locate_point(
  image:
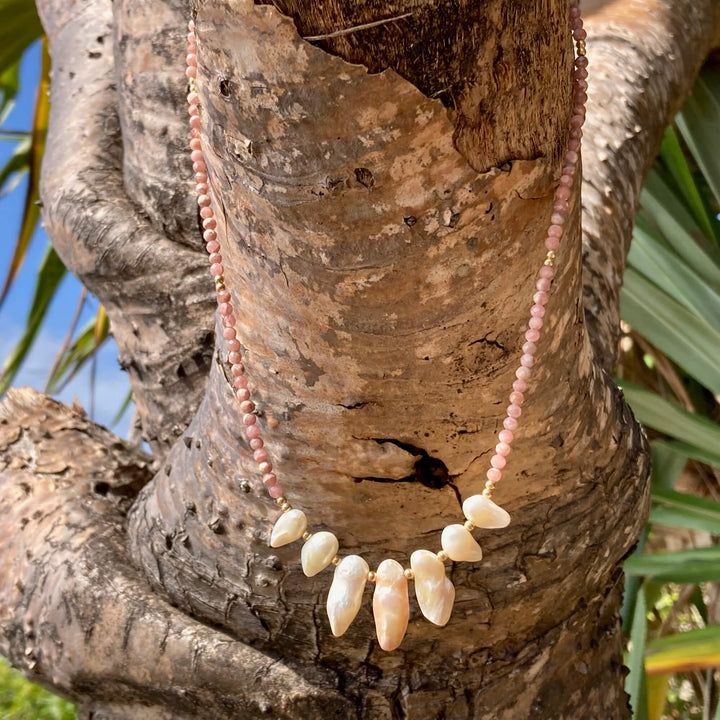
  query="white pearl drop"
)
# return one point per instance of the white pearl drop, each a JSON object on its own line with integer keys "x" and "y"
{"x": 346, "y": 591}
{"x": 434, "y": 591}
{"x": 318, "y": 552}
{"x": 289, "y": 527}
{"x": 484, "y": 513}
{"x": 391, "y": 606}
{"x": 459, "y": 544}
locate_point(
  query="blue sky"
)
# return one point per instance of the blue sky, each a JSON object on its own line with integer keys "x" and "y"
{"x": 111, "y": 385}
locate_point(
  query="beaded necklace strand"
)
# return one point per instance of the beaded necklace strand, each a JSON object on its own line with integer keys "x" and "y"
{"x": 434, "y": 590}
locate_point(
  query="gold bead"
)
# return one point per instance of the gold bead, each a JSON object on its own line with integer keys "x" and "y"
{"x": 548, "y": 262}
{"x": 286, "y": 506}
{"x": 281, "y": 500}
{"x": 487, "y": 493}
{"x": 306, "y": 536}
{"x": 219, "y": 283}
{"x": 443, "y": 556}
{"x": 409, "y": 574}
{"x": 581, "y": 50}
{"x": 371, "y": 576}
{"x": 469, "y": 526}
{"x": 551, "y": 254}
{"x": 336, "y": 560}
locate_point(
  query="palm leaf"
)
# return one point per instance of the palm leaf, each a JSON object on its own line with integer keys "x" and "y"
{"x": 683, "y": 652}
{"x": 19, "y": 28}
{"x": 31, "y": 211}
{"x": 49, "y": 275}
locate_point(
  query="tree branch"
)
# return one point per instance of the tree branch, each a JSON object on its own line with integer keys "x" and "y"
{"x": 76, "y": 616}
{"x": 644, "y": 55}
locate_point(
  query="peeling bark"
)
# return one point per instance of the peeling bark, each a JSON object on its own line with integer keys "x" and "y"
{"x": 380, "y": 234}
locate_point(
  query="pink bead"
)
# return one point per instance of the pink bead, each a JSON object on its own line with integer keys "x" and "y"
{"x": 216, "y": 269}
{"x": 275, "y": 491}
{"x": 195, "y": 146}
{"x": 269, "y": 480}
{"x": 517, "y": 398}
{"x": 191, "y": 60}
{"x": 197, "y": 156}
{"x": 563, "y": 192}
{"x": 529, "y": 348}
{"x": 195, "y": 123}
{"x": 582, "y": 84}
{"x": 193, "y": 98}
{"x": 537, "y": 311}
{"x": 193, "y": 110}
{"x": 535, "y": 323}
{"x": 523, "y": 373}
{"x": 204, "y": 201}
{"x": 494, "y": 475}
{"x": 580, "y": 97}
{"x": 229, "y": 321}
{"x": 552, "y": 243}
{"x": 201, "y": 189}
{"x": 576, "y": 121}
{"x": 252, "y": 431}
{"x": 580, "y": 34}
{"x": 215, "y": 258}
{"x": 543, "y": 284}
{"x": 209, "y": 236}
{"x": 581, "y": 61}
{"x": 256, "y": 443}
{"x": 498, "y": 462}
{"x": 561, "y": 206}
{"x": 213, "y": 247}
{"x": 223, "y": 296}
{"x": 247, "y": 407}
{"x": 191, "y": 72}
{"x": 199, "y": 166}
{"x": 555, "y": 230}
{"x": 265, "y": 467}
{"x": 237, "y": 369}
{"x": 510, "y": 423}
{"x": 541, "y": 297}
{"x": 233, "y": 346}
{"x": 194, "y": 133}
{"x": 243, "y": 394}
{"x": 234, "y": 358}
{"x": 566, "y": 180}
{"x": 240, "y": 382}
{"x": 506, "y": 436}
{"x": 558, "y": 219}
{"x": 546, "y": 271}
{"x": 519, "y": 385}
{"x": 201, "y": 177}
{"x": 527, "y": 361}
{"x": 206, "y": 212}
{"x": 574, "y": 11}
{"x": 581, "y": 74}
{"x": 532, "y": 336}
{"x": 571, "y": 155}
{"x": 249, "y": 419}
{"x": 260, "y": 456}
{"x": 225, "y": 308}
{"x": 514, "y": 411}
{"x": 209, "y": 223}
{"x": 502, "y": 449}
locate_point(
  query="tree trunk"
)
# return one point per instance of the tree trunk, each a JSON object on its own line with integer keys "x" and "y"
{"x": 382, "y": 195}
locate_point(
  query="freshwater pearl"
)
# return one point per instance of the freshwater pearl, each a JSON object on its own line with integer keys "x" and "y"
{"x": 391, "y": 606}
{"x": 484, "y": 513}
{"x": 289, "y": 527}
{"x": 459, "y": 544}
{"x": 433, "y": 589}
{"x": 346, "y": 591}
{"x": 318, "y": 552}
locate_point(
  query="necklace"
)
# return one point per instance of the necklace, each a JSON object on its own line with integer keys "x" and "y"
{"x": 434, "y": 591}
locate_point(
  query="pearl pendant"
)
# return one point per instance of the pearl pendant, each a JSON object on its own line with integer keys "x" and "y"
{"x": 289, "y": 527}
{"x": 318, "y": 552}
{"x": 391, "y": 606}
{"x": 484, "y": 513}
{"x": 346, "y": 591}
{"x": 459, "y": 544}
{"x": 434, "y": 590}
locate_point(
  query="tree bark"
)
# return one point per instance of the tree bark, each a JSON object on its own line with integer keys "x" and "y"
{"x": 381, "y": 195}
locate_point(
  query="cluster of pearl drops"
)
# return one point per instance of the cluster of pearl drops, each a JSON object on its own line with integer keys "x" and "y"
{"x": 435, "y": 592}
